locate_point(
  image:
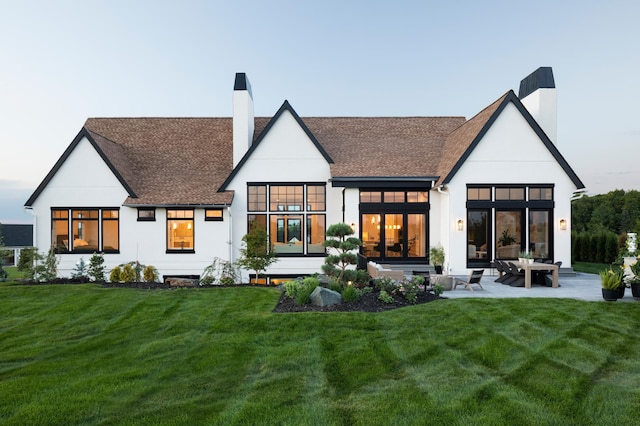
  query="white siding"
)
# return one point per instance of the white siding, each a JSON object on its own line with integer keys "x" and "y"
{"x": 285, "y": 154}
{"x": 510, "y": 153}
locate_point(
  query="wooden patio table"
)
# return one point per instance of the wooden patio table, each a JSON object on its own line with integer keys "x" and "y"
{"x": 538, "y": 266}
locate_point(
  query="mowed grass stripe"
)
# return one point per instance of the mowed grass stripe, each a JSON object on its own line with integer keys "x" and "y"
{"x": 90, "y": 355}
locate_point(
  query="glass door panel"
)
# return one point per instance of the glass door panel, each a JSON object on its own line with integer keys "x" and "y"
{"x": 416, "y": 235}
{"x": 393, "y": 235}
{"x": 371, "y": 235}
{"x": 539, "y": 235}
{"x": 508, "y": 234}
{"x": 477, "y": 234}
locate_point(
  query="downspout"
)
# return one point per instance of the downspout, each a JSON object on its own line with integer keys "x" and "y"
{"x": 442, "y": 190}
{"x": 230, "y": 242}
{"x": 343, "y": 189}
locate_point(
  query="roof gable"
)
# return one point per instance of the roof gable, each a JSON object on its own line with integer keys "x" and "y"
{"x": 461, "y": 143}
{"x": 107, "y": 152}
{"x": 265, "y": 131}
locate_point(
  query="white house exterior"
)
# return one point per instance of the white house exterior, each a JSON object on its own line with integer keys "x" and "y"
{"x": 177, "y": 193}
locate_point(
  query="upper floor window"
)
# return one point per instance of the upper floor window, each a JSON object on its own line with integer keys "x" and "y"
{"x": 394, "y": 197}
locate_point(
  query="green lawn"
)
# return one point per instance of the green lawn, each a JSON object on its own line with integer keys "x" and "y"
{"x": 81, "y": 354}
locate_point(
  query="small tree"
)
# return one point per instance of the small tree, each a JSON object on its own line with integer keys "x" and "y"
{"x": 96, "y": 267}
{"x": 150, "y": 274}
{"x": 257, "y": 252}
{"x": 47, "y": 269}
{"x": 335, "y": 265}
{"x": 80, "y": 270}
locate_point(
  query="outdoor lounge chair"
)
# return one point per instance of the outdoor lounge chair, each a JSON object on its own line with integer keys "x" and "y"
{"x": 474, "y": 279}
{"x": 518, "y": 279}
{"x": 505, "y": 272}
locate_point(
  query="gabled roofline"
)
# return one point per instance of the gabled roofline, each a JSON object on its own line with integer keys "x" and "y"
{"x": 512, "y": 98}
{"x": 285, "y": 107}
{"x": 84, "y": 133}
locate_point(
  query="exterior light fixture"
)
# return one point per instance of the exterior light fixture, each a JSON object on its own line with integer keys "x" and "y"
{"x": 353, "y": 226}
{"x": 563, "y": 224}
{"x": 460, "y": 225}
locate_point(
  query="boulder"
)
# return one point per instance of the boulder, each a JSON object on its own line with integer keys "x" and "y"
{"x": 322, "y": 296}
{"x": 181, "y": 282}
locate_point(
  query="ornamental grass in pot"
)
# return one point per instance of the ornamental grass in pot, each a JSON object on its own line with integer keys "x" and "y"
{"x": 610, "y": 281}
{"x": 634, "y": 281}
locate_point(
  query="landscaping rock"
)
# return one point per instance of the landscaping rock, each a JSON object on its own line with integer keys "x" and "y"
{"x": 322, "y": 296}
{"x": 181, "y": 282}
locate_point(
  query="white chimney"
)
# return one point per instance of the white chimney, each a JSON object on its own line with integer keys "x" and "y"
{"x": 538, "y": 95}
{"x": 243, "y": 119}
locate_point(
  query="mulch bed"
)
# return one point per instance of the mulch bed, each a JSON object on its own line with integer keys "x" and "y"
{"x": 366, "y": 303}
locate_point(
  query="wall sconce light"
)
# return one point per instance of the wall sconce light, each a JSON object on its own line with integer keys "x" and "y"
{"x": 353, "y": 226}
{"x": 563, "y": 224}
{"x": 460, "y": 225}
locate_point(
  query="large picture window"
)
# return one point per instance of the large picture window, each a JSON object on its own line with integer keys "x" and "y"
{"x": 503, "y": 220}
{"x": 85, "y": 230}
{"x": 293, "y": 229}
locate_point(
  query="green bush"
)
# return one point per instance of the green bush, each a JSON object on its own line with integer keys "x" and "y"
{"x": 150, "y": 274}
{"x": 385, "y": 284}
{"x": 350, "y": 294}
{"x": 291, "y": 288}
{"x": 96, "y": 267}
{"x": 128, "y": 274}
{"x": 385, "y": 297}
{"x": 115, "y": 274}
{"x": 303, "y": 296}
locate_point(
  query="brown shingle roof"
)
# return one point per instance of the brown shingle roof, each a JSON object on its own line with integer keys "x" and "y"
{"x": 173, "y": 161}
{"x": 459, "y": 142}
{"x": 183, "y": 161}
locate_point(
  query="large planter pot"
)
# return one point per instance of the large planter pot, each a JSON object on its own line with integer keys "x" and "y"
{"x": 610, "y": 295}
{"x": 620, "y": 291}
{"x": 438, "y": 269}
{"x": 445, "y": 281}
{"x": 635, "y": 290}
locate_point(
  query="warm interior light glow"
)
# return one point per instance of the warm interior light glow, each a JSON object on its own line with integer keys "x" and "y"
{"x": 175, "y": 225}
{"x": 563, "y": 224}
{"x": 460, "y": 225}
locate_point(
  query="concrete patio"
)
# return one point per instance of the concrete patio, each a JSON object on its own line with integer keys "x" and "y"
{"x": 581, "y": 286}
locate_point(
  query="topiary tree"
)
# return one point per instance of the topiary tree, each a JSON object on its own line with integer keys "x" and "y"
{"x": 344, "y": 251}
{"x": 96, "y": 267}
{"x": 257, "y": 252}
{"x": 114, "y": 276}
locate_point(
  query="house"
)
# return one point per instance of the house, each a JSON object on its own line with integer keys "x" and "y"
{"x": 15, "y": 236}
{"x": 177, "y": 192}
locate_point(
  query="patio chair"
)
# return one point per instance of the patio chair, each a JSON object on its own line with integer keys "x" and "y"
{"x": 474, "y": 279}
{"x": 544, "y": 277}
{"x": 518, "y": 279}
{"x": 506, "y": 272}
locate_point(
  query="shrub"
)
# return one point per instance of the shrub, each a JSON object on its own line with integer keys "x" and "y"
{"x": 350, "y": 294}
{"x": 115, "y": 274}
{"x": 128, "y": 275}
{"x": 385, "y": 297}
{"x": 342, "y": 251}
{"x": 385, "y": 284}
{"x": 96, "y": 267}
{"x": 220, "y": 271}
{"x": 438, "y": 289}
{"x": 47, "y": 271}
{"x": 409, "y": 288}
{"x": 150, "y": 274}
{"x": 291, "y": 288}
{"x": 303, "y": 295}
{"x": 80, "y": 270}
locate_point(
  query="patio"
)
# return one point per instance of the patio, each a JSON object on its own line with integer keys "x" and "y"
{"x": 581, "y": 286}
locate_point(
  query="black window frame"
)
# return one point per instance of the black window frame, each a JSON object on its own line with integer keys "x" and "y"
{"x": 214, "y": 218}
{"x": 151, "y": 218}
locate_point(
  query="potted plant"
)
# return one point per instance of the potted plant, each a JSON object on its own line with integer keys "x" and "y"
{"x": 436, "y": 257}
{"x": 611, "y": 280}
{"x": 525, "y": 257}
{"x": 634, "y": 281}
{"x": 506, "y": 239}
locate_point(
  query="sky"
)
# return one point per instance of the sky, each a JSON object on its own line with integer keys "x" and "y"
{"x": 65, "y": 61}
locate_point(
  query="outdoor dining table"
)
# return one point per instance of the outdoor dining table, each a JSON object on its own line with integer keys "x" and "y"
{"x": 538, "y": 266}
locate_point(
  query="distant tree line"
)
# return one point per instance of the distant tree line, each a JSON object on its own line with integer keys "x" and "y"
{"x": 617, "y": 211}
{"x": 600, "y": 224}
